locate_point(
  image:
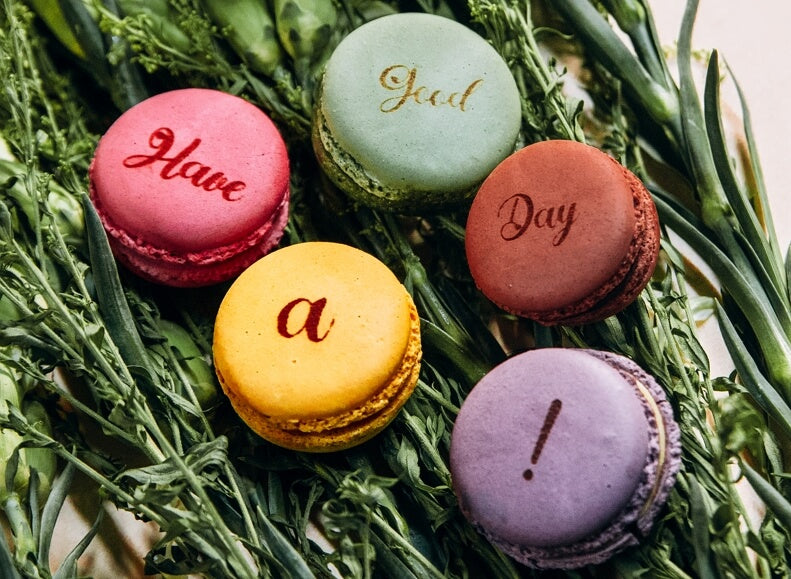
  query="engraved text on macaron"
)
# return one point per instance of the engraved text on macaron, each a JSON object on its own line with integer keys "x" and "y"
{"x": 549, "y": 421}
{"x": 309, "y": 313}
{"x": 177, "y": 165}
{"x": 518, "y": 212}
{"x": 402, "y": 80}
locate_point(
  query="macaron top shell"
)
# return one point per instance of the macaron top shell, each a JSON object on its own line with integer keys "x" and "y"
{"x": 312, "y": 331}
{"x": 529, "y": 479}
{"x": 189, "y": 171}
{"x": 420, "y": 102}
{"x": 553, "y": 224}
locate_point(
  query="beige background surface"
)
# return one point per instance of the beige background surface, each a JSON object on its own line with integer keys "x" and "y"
{"x": 755, "y": 41}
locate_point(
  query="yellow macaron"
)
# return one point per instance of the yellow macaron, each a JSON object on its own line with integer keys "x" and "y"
{"x": 317, "y": 346}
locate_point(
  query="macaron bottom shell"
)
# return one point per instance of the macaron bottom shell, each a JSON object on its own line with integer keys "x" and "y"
{"x": 351, "y": 177}
{"x": 211, "y": 267}
{"x": 356, "y": 426}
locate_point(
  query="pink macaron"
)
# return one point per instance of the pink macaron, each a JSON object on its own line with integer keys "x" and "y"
{"x": 192, "y": 186}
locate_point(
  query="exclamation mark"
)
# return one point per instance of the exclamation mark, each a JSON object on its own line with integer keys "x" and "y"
{"x": 549, "y": 420}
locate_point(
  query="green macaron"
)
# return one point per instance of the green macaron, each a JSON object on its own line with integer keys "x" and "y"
{"x": 413, "y": 112}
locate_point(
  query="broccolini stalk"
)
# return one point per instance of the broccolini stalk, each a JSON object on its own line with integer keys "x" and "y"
{"x": 659, "y": 99}
{"x": 198, "y": 372}
{"x": 305, "y": 27}
{"x": 116, "y": 74}
{"x": 159, "y": 19}
{"x": 26, "y": 472}
{"x": 205, "y": 64}
{"x": 250, "y": 30}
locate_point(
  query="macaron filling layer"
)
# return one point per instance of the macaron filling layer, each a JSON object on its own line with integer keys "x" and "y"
{"x": 354, "y": 179}
{"x": 268, "y": 233}
{"x": 402, "y": 381}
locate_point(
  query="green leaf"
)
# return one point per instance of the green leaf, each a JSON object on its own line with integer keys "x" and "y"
{"x": 110, "y": 294}
{"x": 282, "y": 549}
{"x": 700, "y": 525}
{"x": 777, "y": 503}
{"x": 68, "y": 567}
{"x": 7, "y": 567}
{"x": 759, "y": 388}
{"x": 52, "y": 508}
{"x": 756, "y": 240}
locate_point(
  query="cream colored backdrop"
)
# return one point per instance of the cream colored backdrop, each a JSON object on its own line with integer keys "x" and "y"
{"x": 754, "y": 38}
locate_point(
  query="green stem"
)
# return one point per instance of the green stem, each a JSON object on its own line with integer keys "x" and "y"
{"x": 20, "y": 527}
{"x": 437, "y": 341}
{"x": 732, "y": 501}
{"x": 436, "y": 398}
{"x": 406, "y": 546}
{"x": 779, "y": 505}
{"x": 418, "y": 429}
{"x": 508, "y": 24}
{"x": 634, "y": 20}
{"x": 750, "y": 299}
{"x": 122, "y": 382}
{"x": 206, "y": 506}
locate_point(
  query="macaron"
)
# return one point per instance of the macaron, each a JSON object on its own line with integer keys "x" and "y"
{"x": 413, "y": 111}
{"x": 561, "y": 233}
{"x": 564, "y": 457}
{"x": 192, "y": 186}
{"x": 317, "y": 346}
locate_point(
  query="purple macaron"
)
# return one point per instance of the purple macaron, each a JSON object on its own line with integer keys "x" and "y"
{"x": 564, "y": 457}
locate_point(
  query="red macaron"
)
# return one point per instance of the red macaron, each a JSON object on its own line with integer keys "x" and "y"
{"x": 561, "y": 233}
{"x": 192, "y": 186}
